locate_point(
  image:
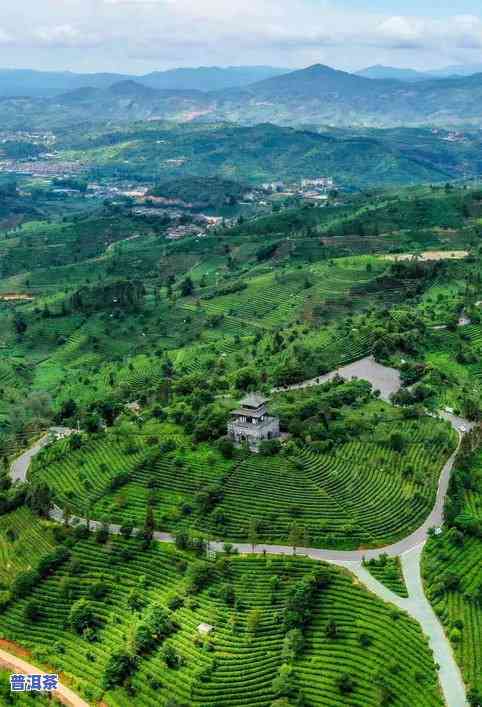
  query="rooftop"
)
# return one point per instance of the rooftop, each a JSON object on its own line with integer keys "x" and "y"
{"x": 205, "y": 629}
{"x": 253, "y": 400}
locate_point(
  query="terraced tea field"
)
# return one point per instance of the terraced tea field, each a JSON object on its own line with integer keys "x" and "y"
{"x": 388, "y": 571}
{"x": 274, "y": 299}
{"x": 381, "y": 650}
{"x": 82, "y": 478}
{"x": 23, "y": 539}
{"x": 452, "y": 572}
{"x": 357, "y": 496}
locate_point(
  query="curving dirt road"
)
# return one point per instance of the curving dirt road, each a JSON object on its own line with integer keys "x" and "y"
{"x": 63, "y": 694}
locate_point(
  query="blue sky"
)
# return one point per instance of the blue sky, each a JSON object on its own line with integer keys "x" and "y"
{"x": 136, "y": 36}
{"x": 427, "y": 8}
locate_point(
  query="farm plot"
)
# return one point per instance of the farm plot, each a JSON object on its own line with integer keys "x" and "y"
{"x": 23, "y": 539}
{"x": 451, "y": 569}
{"x": 388, "y": 571}
{"x": 79, "y": 477}
{"x": 84, "y": 479}
{"x": 363, "y": 494}
{"x": 239, "y": 661}
{"x": 273, "y": 299}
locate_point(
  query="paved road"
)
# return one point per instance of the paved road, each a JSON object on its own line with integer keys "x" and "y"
{"x": 410, "y": 548}
{"x": 63, "y": 693}
{"x": 20, "y": 467}
{"x": 413, "y": 540}
{"x": 385, "y": 379}
{"x": 419, "y": 608}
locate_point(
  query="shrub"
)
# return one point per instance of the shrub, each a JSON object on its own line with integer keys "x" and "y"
{"x": 81, "y": 615}
{"x": 346, "y": 684}
{"x": 119, "y": 668}
{"x": 170, "y": 657}
{"x": 24, "y": 582}
{"x": 32, "y": 610}
{"x": 155, "y": 628}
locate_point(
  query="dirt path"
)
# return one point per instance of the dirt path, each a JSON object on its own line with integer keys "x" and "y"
{"x": 64, "y": 694}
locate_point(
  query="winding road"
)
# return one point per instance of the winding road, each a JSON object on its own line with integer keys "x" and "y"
{"x": 63, "y": 694}
{"x": 409, "y": 548}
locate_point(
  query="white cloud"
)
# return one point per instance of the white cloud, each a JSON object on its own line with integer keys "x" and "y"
{"x": 402, "y": 31}
{"x": 130, "y": 34}
{"x": 5, "y": 38}
{"x": 63, "y": 36}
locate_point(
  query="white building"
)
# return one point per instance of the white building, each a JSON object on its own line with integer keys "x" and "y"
{"x": 251, "y": 424}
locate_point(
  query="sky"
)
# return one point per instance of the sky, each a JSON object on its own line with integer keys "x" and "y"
{"x": 138, "y": 36}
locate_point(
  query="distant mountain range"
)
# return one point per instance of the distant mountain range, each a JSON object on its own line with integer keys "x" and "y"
{"x": 317, "y": 95}
{"x": 390, "y": 72}
{"x": 47, "y": 84}
{"x": 29, "y": 83}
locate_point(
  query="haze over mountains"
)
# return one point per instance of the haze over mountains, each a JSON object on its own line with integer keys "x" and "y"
{"x": 311, "y": 96}
{"x": 26, "y": 82}
{"x": 379, "y": 71}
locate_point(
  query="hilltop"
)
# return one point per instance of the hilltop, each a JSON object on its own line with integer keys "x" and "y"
{"x": 317, "y": 94}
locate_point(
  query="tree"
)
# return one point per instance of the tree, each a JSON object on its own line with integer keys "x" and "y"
{"x": 187, "y": 287}
{"x": 68, "y": 410}
{"x": 293, "y": 644}
{"x": 81, "y": 615}
{"x": 346, "y": 684}
{"x": 283, "y": 684}
{"x": 23, "y": 583}
{"x": 170, "y": 657}
{"x": 98, "y": 590}
{"x": 198, "y": 576}
{"x": 148, "y": 530}
{"x": 39, "y": 498}
{"x": 135, "y": 599}
{"x": 331, "y": 629}
{"x": 126, "y": 529}
{"x": 182, "y": 540}
{"x": 119, "y": 668}
{"x": 154, "y": 629}
{"x": 253, "y": 538}
{"x": 20, "y": 323}
{"x": 397, "y": 441}
{"x": 226, "y": 447}
{"x": 295, "y": 537}
{"x": 474, "y": 697}
{"x": 226, "y": 593}
{"x": 253, "y": 621}
{"x": 270, "y": 447}
{"x": 102, "y": 534}
{"x": 32, "y": 610}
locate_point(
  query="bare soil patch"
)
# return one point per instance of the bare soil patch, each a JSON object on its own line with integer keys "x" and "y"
{"x": 430, "y": 255}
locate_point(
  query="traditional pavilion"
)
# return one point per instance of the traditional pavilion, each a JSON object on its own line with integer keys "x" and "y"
{"x": 251, "y": 424}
